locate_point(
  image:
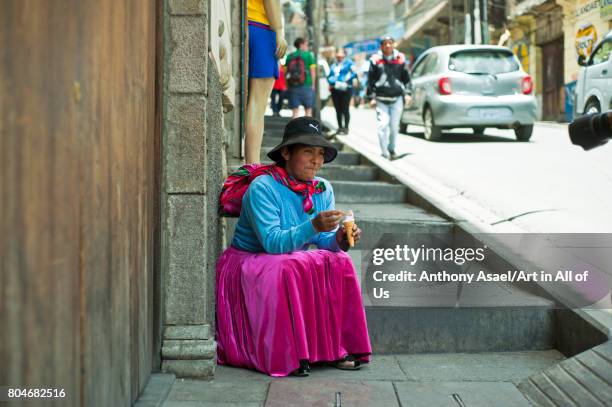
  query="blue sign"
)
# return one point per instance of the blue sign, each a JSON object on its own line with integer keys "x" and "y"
{"x": 367, "y": 46}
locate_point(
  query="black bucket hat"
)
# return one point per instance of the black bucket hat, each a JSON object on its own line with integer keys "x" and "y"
{"x": 304, "y": 130}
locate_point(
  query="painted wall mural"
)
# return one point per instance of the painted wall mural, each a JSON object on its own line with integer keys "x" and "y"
{"x": 521, "y": 50}
{"x": 586, "y": 38}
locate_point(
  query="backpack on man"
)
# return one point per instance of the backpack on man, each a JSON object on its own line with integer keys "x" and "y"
{"x": 296, "y": 71}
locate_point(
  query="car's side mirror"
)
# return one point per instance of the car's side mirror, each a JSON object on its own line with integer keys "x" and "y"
{"x": 582, "y": 60}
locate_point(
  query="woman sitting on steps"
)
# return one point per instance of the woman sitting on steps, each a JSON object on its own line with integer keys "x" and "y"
{"x": 281, "y": 307}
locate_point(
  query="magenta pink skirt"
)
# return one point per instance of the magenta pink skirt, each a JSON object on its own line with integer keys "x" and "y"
{"x": 275, "y": 310}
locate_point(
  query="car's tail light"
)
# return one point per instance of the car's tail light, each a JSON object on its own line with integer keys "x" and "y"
{"x": 527, "y": 85}
{"x": 444, "y": 86}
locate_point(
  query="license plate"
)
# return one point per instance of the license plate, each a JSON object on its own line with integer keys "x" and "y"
{"x": 493, "y": 113}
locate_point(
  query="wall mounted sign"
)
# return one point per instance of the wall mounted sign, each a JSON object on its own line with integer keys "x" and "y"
{"x": 586, "y": 37}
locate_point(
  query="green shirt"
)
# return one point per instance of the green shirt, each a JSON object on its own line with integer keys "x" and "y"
{"x": 309, "y": 61}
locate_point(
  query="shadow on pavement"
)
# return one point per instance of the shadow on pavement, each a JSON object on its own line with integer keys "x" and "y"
{"x": 465, "y": 138}
{"x": 400, "y": 156}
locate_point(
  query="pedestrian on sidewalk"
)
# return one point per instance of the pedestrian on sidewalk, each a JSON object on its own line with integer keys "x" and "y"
{"x": 280, "y": 306}
{"x": 301, "y": 72}
{"x": 389, "y": 88}
{"x": 266, "y": 42}
{"x": 340, "y": 78}
{"x": 279, "y": 91}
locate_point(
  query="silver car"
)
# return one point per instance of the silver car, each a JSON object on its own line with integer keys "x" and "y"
{"x": 594, "y": 85}
{"x": 473, "y": 86}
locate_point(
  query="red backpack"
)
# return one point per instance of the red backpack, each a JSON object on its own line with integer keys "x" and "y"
{"x": 296, "y": 71}
{"x": 235, "y": 186}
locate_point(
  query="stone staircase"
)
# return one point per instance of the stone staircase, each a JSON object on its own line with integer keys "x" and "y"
{"x": 582, "y": 380}
{"x": 430, "y": 318}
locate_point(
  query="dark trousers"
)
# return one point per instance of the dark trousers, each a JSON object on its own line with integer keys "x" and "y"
{"x": 342, "y": 101}
{"x": 276, "y": 100}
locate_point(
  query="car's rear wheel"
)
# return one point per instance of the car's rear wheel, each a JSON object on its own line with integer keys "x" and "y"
{"x": 592, "y": 107}
{"x": 432, "y": 132}
{"x": 523, "y": 133}
{"x": 478, "y": 130}
{"x": 403, "y": 128}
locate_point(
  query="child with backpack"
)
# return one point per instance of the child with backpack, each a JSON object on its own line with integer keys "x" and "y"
{"x": 301, "y": 74}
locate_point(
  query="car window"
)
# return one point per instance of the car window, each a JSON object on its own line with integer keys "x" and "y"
{"x": 432, "y": 64}
{"x": 418, "y": 69}
{"x": 602, "y": 53}
{"x": 483, "y": 61}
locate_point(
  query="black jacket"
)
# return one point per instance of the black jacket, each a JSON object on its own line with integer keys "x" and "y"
{"x": 388, "y": 78}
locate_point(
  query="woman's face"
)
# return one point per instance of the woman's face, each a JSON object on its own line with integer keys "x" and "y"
{"x": 304, "y": 161}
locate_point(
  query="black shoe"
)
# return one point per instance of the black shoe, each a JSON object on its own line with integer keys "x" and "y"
{"x": 303, "y": 370}
{"x": 392, "y": 155}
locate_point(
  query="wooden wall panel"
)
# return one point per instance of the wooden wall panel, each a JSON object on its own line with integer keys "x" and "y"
{"x": 78, "y": 198}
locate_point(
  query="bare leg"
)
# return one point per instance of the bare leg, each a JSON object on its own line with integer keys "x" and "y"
{"x": 259, "y": 91}
{"x": 308, "y": 112}
{"x": 296, "y": 112}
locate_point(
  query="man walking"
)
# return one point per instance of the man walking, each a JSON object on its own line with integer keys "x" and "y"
{"x": 388, "y": 89}
{"x": 301, "y": 68}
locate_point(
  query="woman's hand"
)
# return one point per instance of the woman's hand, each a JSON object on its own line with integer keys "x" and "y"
{"x": 326, "y": 221}
{"x": 342, "y": 239}
{"x": 281, "y": 44}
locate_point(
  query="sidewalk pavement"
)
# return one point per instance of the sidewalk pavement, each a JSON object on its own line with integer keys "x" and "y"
{"x": 484, "y": 379}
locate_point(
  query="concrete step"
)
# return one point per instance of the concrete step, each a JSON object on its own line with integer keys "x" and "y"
{"x": 333, "y": 172}
{"x": 275, "y": 120}
{"x": 368, "y": 192}
{"x": 582, "y": 380}
{"x": 488, "y": 317}
{"x": 435, "y": 317}
{"x": 343, "y": 158}
{"x": 273, "y": 141}
{"x": 377, "y": 220}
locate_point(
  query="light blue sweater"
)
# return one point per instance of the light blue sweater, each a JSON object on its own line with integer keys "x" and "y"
{"x": 272, "y": 219}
